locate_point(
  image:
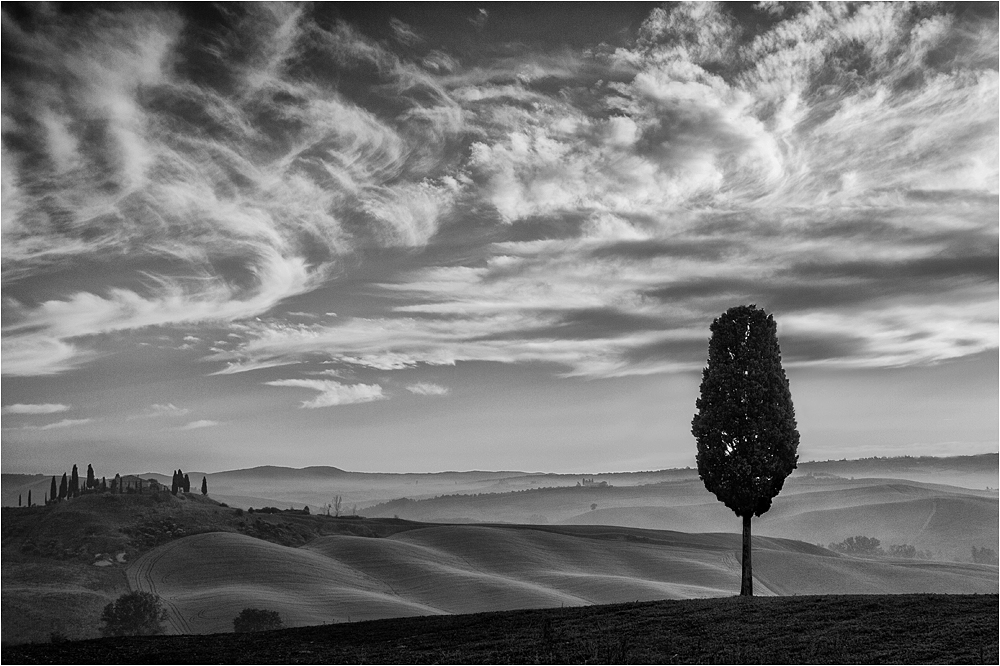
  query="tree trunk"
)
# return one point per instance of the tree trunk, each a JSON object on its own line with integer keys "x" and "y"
{"x": 746, "y": 586}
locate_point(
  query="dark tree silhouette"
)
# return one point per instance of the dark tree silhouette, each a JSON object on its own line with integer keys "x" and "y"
{"x": 745, "y": 424}
{"x": 255, "y": 619}
{"x": 204, "y": 485}
{"x": 187, "y": 484}
{"x": 63, "y": 487}
{"x": 29, "y": 498}
{"x": 53, "y": 493}
{"x": 174, "y": 484}
{"x": 19, "y": 499}
{"x": 116, "y": 485}
{"x": 74, "y": 483}
{"x": 104, "y": 484}
{"x": 134, "y": 614}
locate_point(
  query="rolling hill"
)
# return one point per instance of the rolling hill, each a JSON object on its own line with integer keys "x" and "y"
{"x": 206, "y": 579}
{"x": 944, "y": 520}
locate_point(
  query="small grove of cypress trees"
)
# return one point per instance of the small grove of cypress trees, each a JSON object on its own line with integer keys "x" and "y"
{"x": 63, "y": 487}
{"x": 745, "y": 424}
{"x": 204, "y": 485}
{"x": 74, "y": 483}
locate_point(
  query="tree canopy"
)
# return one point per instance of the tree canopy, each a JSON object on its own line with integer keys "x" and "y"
{"x": 256, "y": 619}
{"x": 134, "y": 614}
{"x": 745, "y": 425}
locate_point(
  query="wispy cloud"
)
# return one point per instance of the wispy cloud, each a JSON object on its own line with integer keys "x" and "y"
{"x": 426, "y": 388}
{"x": 197, "y": 425}
{"x": 591, "y": 209}
{"x": 333, "y": 393}
{"x": 168, "y": 409}
{"x": 45, "y": 408}
{"x": 65, "y": 423}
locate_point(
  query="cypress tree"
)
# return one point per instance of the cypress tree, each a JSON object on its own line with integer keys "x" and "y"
{"x": 116, "y": 485}
{"x": 745, "y": 423}
{"x": 104, "y": 484}
{"x": 52, "y": 490}
{"x": 74, "y": 483}
{"x": 204, "y": 485}
{"x": 19, "y": 499}
{"x": 187, "y": 484}
{"x": 91, "y": 481}
{"x": 174, "y": 484}
{"x": 29, "y": 497}
{"x": 63, "y": 488}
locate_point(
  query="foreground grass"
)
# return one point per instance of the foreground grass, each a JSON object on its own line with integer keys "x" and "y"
{"x": 924, "y": 629}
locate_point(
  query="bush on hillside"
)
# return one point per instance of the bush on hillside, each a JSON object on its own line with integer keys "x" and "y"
{"x": 256, "y": 619}
{"x": 134, "y": 614}
{"x": 984, "y": 555}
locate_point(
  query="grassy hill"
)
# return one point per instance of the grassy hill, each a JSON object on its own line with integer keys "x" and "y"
{"x": 205, "y": 580}
{"x": 62, "y": 563}
{"x": 914, "y": 629}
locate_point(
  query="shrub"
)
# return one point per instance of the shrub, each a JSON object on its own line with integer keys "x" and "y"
{"x": 984, "y": 555}
{"x": 134, "y": 614}
{"x": 256, "y": 619}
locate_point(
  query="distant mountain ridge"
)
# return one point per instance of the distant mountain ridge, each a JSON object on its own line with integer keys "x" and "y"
{"x": 319, "y": 485}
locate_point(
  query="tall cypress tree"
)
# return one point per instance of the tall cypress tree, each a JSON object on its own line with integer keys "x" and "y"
{"x": 187, "y": 484}
{"x": 174, "y": 485}
{"x": 204, "y": 485}
{"x": 91, "y": 481}
{"x": 63, "y": 487}
{"x": 74, "y": 483}
{"x": 745, "y": 424}
{"x": 52, "y": 490}
{"x": 29, "y": 497}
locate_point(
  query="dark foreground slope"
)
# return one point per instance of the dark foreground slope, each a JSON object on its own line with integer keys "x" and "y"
{"x": 956, "y": 629}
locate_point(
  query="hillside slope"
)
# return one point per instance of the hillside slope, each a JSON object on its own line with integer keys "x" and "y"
{"x": 206, "y": 579}
{"x": 945, "y": 520}
{"x": 895, "y": 629}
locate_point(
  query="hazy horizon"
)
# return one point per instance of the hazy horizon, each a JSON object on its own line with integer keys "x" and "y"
{"x": 407, "y": 237}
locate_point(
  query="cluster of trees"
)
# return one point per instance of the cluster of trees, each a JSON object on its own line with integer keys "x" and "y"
{"x": 863, "y": 546}
{"x": 70, "y": 486}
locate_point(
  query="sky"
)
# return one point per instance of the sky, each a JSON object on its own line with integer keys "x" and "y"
{"x": 425, "y": 237}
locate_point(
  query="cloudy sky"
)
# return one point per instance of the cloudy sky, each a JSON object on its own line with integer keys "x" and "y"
{"x": 420, "y": 237}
